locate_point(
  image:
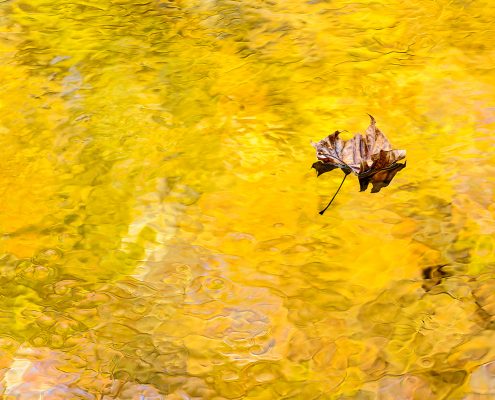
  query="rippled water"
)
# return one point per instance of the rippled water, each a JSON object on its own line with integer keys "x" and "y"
{"x": 159, "y": 218}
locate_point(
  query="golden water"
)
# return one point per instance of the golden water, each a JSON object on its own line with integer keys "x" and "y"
{"x": 159, "y": 218}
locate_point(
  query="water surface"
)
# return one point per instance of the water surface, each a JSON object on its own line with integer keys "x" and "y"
{"x": 159, "y": 219}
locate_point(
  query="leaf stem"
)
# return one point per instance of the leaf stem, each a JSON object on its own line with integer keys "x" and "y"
{"x": 328, "y": 205}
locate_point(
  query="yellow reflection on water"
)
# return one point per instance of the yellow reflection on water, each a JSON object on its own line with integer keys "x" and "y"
{"x": 159, "y": 218}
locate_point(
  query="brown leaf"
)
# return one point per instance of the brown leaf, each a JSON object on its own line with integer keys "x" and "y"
{"x": 380, "y": 178}
{"x": 370, "y": 157}
{"x": 321, "y": 167}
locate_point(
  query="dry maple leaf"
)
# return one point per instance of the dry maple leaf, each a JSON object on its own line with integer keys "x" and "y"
{"x": 370, "y": 157}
